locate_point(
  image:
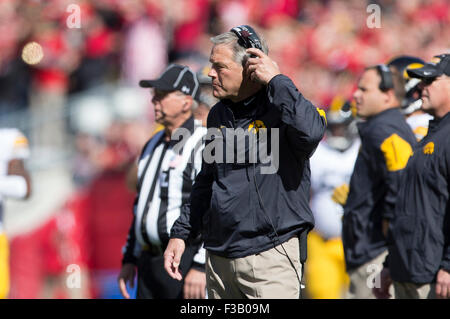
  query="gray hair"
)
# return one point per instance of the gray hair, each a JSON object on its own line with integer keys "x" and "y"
{"x": 239, "y": 53}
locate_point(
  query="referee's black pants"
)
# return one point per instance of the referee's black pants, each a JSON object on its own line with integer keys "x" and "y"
{"x": 153, "y": 282}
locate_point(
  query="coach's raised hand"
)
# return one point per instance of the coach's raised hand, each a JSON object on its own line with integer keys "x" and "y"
{"x": 262, "y": 68}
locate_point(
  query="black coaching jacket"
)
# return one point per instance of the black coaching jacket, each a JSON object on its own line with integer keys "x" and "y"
{"x": 239, "y": 210}
{"x": 419, "y": 242}
{"x": 387, "y": 142}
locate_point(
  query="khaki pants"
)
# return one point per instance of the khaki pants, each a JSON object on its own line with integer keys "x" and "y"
{"x": 406, "y": 290}
{"x": 365, "y": 277}
{"x": 267, "y": 275}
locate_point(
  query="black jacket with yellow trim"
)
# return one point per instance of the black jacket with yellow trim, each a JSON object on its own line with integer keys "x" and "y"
{"x": 419, "y": 242}
{"x": 386, "y": 145}
{"x": 224, "y": 203}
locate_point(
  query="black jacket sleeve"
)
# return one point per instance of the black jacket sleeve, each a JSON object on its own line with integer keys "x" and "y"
{"x": 393, "y": 153}
{"x": 129, "y": 250}
{"x": 306, "y": 123}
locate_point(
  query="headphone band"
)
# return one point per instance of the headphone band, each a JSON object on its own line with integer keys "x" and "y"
{"x": 247, "y": 37}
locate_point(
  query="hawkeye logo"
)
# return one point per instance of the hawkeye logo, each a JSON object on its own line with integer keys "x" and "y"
{"x": 429, "y": 148}
{"x": 255, "y": 126}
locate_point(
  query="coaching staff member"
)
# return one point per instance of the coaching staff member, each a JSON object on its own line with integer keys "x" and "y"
{"x": 419, "y": 245}
{"x": 251, "y": 221}
{"x": 386, "y": 145}
{"x": 165, "y": 178}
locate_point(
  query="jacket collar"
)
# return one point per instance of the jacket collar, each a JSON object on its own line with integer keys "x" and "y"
{"x": 383, "y": 116}
{"x": 436, "y": 123}
{"x": 245, "y": 108}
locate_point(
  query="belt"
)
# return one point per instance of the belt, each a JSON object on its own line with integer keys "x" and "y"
{"x": 154, "y": 250}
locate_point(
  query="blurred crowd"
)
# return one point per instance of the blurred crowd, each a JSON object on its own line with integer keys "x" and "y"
{"x": 322, "y": 45}
{"x": 326, "y": 42}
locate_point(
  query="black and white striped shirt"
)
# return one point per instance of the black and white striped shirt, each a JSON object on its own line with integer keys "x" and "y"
{"x": 165, "y": 179}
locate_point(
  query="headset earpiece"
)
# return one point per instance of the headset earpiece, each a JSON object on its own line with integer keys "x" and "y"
{"x": 385, "y": 73}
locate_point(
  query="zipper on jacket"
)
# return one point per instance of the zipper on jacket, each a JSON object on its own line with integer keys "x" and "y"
{"x": 232, "y": 117}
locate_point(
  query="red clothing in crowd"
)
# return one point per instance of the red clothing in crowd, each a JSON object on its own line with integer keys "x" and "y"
{"x": 187, "y": 33}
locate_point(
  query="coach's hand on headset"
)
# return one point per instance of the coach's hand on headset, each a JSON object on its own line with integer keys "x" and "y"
{"x": 260, "y": 68}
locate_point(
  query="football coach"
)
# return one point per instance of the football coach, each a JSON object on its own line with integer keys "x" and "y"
{"x": 253, "y": 224}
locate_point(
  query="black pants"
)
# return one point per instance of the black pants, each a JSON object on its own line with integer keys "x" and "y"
{"x": 153, "y": 280}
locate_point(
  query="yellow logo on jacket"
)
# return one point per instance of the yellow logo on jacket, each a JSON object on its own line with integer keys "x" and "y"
{"x": 396, "y": 152}
{"x": 429, "y": 148}
{"x": 255, "y": 126}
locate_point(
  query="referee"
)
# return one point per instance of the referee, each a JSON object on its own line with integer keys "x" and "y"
{"x": 165, "y": 177}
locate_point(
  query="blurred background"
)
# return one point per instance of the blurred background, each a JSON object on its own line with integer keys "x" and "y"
{"x": 86, "y": 119}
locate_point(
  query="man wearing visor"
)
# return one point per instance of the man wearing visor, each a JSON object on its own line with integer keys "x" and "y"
{"x": 419, "y": 237}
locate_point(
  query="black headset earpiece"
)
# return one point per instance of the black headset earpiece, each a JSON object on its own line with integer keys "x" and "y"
{"x": 386, "y": 77}
{"x": 248, "y": 38}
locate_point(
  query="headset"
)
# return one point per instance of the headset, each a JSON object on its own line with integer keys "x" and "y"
{"x": 248, "y": 38}
{"x": 385, "y": 73}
